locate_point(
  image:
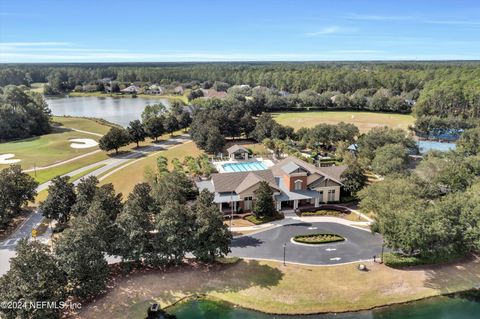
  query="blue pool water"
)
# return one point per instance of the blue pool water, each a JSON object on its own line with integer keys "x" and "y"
{"x": 244, "y": 167}
{"x": 426, "y": 146}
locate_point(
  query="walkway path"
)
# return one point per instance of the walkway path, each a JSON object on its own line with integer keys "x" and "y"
{"x": 86, "y": 132}
{"x": 7, "y": 247}
{"x": 117, "y": 161}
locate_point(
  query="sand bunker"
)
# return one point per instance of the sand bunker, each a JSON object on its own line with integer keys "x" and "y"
{"x": 83, "y": 143}
{"x": 4, "y": 159}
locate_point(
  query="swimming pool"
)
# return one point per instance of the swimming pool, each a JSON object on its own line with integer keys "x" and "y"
{"x": 244, "y": 166}
{"x": 425, "y": 146}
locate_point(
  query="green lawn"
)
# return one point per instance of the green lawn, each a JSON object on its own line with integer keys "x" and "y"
{"x": 45, "y": 175}
{"x": 273, "y": 288}
{"x": 46, "y": 149}
{"x": 37, "y": 87}
{"x": 55, "y": 147}
{"x": 125, "y": 179}
{"x": 84, "y": 124}
{"x": 363, "y": 120}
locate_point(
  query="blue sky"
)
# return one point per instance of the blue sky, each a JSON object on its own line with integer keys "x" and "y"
{"x": 265, "y": 30}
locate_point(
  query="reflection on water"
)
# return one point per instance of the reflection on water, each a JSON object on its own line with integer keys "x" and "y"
{"x": 116, "y": 110}
{"x": 454, "y": 307}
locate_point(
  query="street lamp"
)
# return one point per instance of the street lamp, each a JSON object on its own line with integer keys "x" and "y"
{"x": 231, "y": 212}
{"x": 284, "y": 253}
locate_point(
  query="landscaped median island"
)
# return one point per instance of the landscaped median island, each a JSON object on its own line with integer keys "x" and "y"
{"x": 316, "y": 239}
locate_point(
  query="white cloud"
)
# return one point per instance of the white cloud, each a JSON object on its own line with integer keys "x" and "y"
{"x": 329, "y": 30}
{"x": 369, "y": 17}
{"x": 454, "y": 22}
{"x": 33, "y": 44}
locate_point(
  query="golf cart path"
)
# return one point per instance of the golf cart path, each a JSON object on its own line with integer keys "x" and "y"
{"x": 71, "y": 159}
{"x": 7, "y": 246}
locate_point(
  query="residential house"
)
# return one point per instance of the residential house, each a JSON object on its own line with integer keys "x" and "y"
{"x": 211, "y": 93}
{"x": 132, "y": 89}
{"x": 155, "y": 89}
{"x": 179, "y": 90}
{"x": 294, "y": 183}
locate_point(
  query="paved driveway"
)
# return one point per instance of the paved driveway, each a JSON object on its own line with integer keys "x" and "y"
{"x": 358, "y": 245}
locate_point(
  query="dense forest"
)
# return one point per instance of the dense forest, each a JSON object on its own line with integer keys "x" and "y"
{"x": 442, "y": 95}
{"x": 22, "y": 114}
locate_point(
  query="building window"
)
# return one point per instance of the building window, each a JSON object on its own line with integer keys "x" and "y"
{"x": 247, "y": 203}
{"x": 298, "y": 184}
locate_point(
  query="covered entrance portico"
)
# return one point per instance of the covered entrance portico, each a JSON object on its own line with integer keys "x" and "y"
{"x": 227, "y": 202}
{"x": 297, "y": 199}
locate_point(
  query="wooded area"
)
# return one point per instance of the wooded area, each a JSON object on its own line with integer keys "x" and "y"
{"x": 442, "y": 95}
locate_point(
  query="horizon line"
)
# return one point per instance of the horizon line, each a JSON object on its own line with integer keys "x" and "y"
{"x": 246, "y": 61}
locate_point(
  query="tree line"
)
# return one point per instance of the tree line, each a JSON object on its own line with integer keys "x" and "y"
{"x": 156, "y": 121}
{"x": 431, "y": 212}
{"x": 446, "y": 93}
{"x": 22, "y": 114}
{"x": 159, "y": 223}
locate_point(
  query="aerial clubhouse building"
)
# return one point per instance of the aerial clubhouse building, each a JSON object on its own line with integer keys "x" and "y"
{"x": 295, "y": 183}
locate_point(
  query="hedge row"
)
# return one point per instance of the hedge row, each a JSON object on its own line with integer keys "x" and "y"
{"x": 396, "y": 260}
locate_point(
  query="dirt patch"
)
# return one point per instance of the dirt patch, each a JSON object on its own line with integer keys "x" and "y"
{"x": 238, "y": 222}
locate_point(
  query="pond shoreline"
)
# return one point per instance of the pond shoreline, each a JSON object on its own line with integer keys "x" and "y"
{"x": 270, "y": 288}
{"x": 199, "y": 297}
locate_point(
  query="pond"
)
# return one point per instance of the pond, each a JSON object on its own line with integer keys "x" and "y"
{"x": 116, "y": 110}
{"x": 455, "y": 307}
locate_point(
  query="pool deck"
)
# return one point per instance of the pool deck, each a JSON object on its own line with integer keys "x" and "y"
{"x": 219, "y": 165}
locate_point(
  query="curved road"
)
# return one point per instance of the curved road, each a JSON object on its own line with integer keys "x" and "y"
{"x": 358, "y": 245}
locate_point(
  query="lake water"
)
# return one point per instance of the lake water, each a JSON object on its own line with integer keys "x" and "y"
{"x": 116, "y": 110}
{"x": 458, "y": 307}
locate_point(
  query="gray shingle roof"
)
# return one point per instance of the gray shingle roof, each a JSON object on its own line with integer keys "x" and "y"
{"x": 229, "y": 182}
{"x": 332, "y": 172}
{"x": 290, "y": 167}
{"x": 236, "y": 148}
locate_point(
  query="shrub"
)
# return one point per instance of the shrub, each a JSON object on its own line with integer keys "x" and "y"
{"x": 314, "y": 239}
{"x": 265, "y": 219}
{"x": 347, "y": 199}
{"x": 396, "y": 260}
{"x": 322, "y": 212}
